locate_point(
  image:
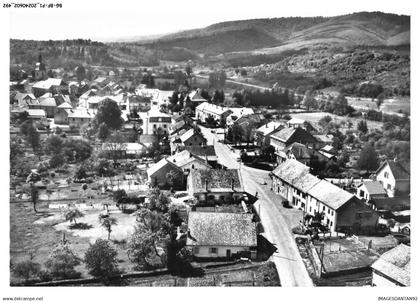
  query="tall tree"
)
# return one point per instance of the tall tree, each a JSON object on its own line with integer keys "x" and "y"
{"x": 107, "y": 222}
{"x": 368, "y": 158}
{"x": 110, "y": 114}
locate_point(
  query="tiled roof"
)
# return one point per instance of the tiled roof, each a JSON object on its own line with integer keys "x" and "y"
{"x": 329, "y": 194}
{"x": 300, "y": 151}
{"x": 221, "y": 229}
{"x": 269, "y": 128}
{"x": 324, "y": 138}
{"x": 157, "y": 166}
{"x": 202, "y": 151}
{"x": 36, "y": 112}
{"x": 216, "y": 180}
{"x": 80, "y": 113}
{"x": 188, "y": 134}
{"x": 65, "y": 105}
{"x": 399, "y": 171}
{"x": 291, "y": 171}
{"x": 296, "y": 121}
{"x": 298, "y": 135}
{"x": 373, "y": 187}
{"x": 212, "y": 108}
{"x": 306, "y": 182}
{"x": 391, "y": 204}
{"x": 47, "y": 102}
{"x": 395, "y": 264}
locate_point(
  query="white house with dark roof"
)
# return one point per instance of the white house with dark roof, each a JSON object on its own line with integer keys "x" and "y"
{"x": 154, "y": 120}
{"x": 205, "y": 110}
{"x": 392, "y": 268}
{"x": 262, "y": 134}
{"x": 342, "y": 211}
{"x": 222, "y": 235}
{"x": 369, "y": 190}
{"x": 394, "y": 177}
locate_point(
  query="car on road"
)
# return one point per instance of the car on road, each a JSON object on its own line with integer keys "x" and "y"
{"x": 286, "y": 204}
{"x": 402, "y": 238}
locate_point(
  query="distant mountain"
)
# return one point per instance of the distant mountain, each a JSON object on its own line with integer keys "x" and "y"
{"x": 279, "y": 34}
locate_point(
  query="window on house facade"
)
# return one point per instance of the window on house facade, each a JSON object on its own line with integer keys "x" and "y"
{"x": 388, "y": 186}
{"x": 154, "y": 126}
{"x": 386, "y": 175}
{"x": 213, "y": 250}
{"x": 362, "y": 193}
{"x": 196, "y": 250}
{"x": 165, "y": 126}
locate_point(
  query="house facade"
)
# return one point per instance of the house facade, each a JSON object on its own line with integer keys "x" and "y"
{"x": 154, "y": 120}
{"x": 157, "y": 175}
{"x": 206, "y": 110}
{"x": 394, "y": 177}
{"x": 215, "y": 186}
{"x": 221, "y": 235}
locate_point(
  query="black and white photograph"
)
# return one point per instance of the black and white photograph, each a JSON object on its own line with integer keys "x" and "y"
{"x": 207, "y": 144}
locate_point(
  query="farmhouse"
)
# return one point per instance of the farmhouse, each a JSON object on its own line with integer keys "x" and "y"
{"x": 394, "y": 177}
{"x": 262, "y": 135}
{"x": 300, "y": 123}
{"x": 79, "y": 116}
{"x": 285, "y": 137}
{"x": 215, "y": 186}
{"x": 370, "y": 190}
{"x": 157, "y": 174}
{"x": 187, "y": 161}
{"x": 154, "y": 120}
{"x": 393, "y": 267}
{"x": 223, "y": 235}
{"x": 206, "y": 110}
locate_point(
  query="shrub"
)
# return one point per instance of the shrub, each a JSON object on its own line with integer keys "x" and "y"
{"x": 101, "y": 259}
{"x": 62, "y": 261}
{"x": 27, "y": 270}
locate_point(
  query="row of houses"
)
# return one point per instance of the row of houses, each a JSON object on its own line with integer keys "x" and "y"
{"x": 341, "y": 211}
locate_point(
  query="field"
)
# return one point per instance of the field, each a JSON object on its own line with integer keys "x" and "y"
{"x": 314, "y": 117}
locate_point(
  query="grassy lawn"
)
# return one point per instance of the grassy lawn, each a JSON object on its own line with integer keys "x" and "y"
{"x": 314, "y": 117}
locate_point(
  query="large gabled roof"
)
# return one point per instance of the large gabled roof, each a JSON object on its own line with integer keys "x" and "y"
{"x": 395, "y": 264}
{"x": 221, "y": 229}
{"x": 268, "y": 128}
{"x": 291, "y": 134}
{"x": 373, "y": 187}
{"x": 330, "y": 194}
{"x": 216, "y": 180}
{"x": 291, "y": 171}
{"x": 156, "y": 167}
{"x": 399, "y": 171}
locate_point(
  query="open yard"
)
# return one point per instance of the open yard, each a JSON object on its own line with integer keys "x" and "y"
{"x": 36, "y": 235}
{"x": 314, "y": 117}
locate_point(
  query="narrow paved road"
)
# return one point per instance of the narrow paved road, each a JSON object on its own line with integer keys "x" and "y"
{"x": 292, "y": 271}
{"x": 239, "y": 83}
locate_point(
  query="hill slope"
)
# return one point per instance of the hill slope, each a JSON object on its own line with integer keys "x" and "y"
{"x": 278, "y": 34}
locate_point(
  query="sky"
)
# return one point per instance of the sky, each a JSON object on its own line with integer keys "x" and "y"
{"x": 127, "y": 18}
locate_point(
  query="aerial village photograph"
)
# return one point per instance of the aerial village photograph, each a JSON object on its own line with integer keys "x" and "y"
{"x": 227, "y": 150}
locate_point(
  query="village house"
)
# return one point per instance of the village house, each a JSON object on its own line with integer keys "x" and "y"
{"x": 370, "y": 190}
{"x": 238, "y": 113}
{"x": 192, "y": 137}
{"x": 83, "y": 99}
{"x": 187, "y": 161}
{"x": 157, "y": 175}
{"x": 175, "y": 128}
{"x": 205, "y": 152}
{"x": 154, "y": 120}
{"x": 24, "y": 100}
{"x": 221, "y": 235}
{"x": 300, "y": 123}
{"x": 123, "y": 150}
{"x": 80, "y": 116}
{"x": 323, "y": 140}
{"x": 52, "y": 85}
{"x": 215, "y": 186}
{"x": 147, "y": 140}
{"x": 194, "y": 97}
{"x": 394, "y": 177}
{"x": 341, "y": 210}
{"x": 40, "y": 71}
{"x": 206, "y": 110}
{"x": 392, "y": 268}
{"x": 301, "y": 153}
{"x": 282, "y": 139}
{"x": 262, "y": 134}
{"x": 62, "y": 114}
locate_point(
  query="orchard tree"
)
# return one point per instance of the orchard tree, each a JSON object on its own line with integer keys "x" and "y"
{"x": 53, "y": 145}
{"x": 72, "y": 214}
{"x": 107, "y": 222}
{"x": 62, "y": 261}
{"x": 101, "y": 259}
